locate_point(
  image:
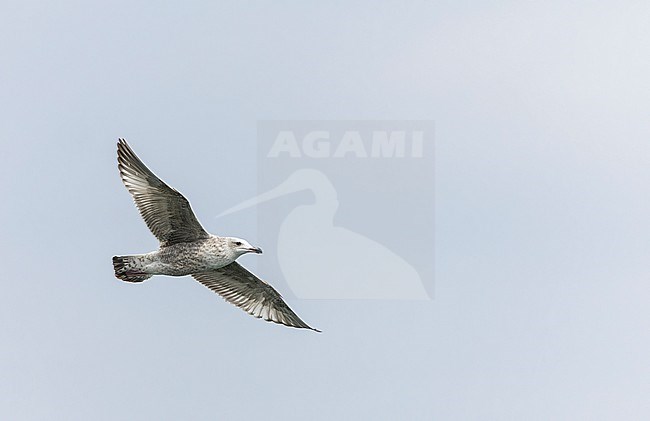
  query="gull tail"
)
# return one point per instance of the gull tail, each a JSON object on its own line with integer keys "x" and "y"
{"x": 130, "y": 268}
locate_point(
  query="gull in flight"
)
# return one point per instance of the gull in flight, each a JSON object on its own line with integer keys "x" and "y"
{"x": 187, "y": 249}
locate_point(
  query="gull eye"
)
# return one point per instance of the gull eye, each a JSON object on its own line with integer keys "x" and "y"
{"x": 238, "y": 243}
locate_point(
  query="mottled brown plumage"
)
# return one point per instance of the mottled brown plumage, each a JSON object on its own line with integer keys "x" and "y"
{"x": 187, "y": 249}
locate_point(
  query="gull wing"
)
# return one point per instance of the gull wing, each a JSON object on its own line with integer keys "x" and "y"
{"x": 248, "y": 292}
{"x": 166, "y": 212}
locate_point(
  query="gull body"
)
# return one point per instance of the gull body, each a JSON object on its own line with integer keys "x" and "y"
{"x": 183, "y": 259}
{"x": 187, "y": 249}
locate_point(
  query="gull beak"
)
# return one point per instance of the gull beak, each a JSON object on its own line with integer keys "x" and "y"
{"x": 256, "y": 250}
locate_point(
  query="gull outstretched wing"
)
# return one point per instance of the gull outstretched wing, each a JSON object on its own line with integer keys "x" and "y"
{"x": 248, "y": 292}
{"x": 166, "y": 212}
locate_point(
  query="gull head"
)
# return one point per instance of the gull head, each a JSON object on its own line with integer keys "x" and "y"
{"x": 239, "y": 246}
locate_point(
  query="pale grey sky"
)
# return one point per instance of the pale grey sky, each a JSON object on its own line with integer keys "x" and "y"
{"x": 542, "y": 209}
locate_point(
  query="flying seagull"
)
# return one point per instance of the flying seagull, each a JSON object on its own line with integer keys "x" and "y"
{"x": 187, "y": 249}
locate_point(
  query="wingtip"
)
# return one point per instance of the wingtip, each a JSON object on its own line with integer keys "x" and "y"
{"x": 299, "y": 326}
{"x": 295, "y": 326}
{"x": 306, "y": 326}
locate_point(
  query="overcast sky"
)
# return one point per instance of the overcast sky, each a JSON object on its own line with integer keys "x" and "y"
{"x": 540, "y": 305}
